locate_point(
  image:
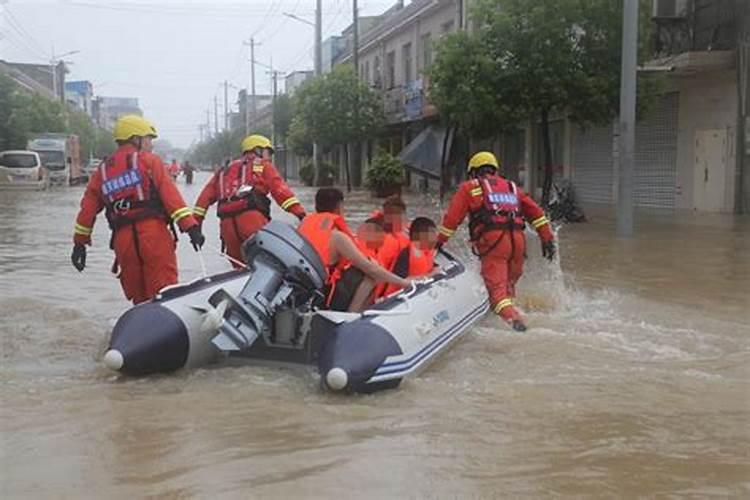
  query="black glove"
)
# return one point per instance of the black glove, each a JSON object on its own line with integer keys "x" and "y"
{"x": 196, "y": 237}
{"x": 548, "y": 250}
{"x": 301, "y": 216}
{"x": 438, "y": 246}
{"x": 78, "y": 257}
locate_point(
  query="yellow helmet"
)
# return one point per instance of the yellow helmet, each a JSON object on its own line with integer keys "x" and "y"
{"x": 128, "y": 126}
{"x": 482, "y": 159}
{"x": 256, "y": 141}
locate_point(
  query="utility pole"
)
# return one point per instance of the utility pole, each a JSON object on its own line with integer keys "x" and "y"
{"x": 275, "y": 77}
{"x": 252, "y": 45}
{"x": 208, "y": 123}
{"x": 356, "y": 164}
{"x": 216, "y": 114}
{"x": 318, "y": 72}
{"x": 226, "y": 105}
{"x": 200, "y": 131}
{"x": 627, "y": 118}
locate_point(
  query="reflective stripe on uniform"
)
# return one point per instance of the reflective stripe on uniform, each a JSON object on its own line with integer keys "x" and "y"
{"x": 289, "y": 202}
{"x": 446, "y": 232}
{"x": 199, "y": 211}
{"x": 86, "y": 231}
{"x": 476, "y": 191}
{"x": 539, "y": 222}
{"x": 502, "y": 305}
{"x": 180, "y": 213}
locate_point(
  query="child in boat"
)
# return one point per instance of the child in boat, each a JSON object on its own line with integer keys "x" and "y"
{"x": 418, "y": 259}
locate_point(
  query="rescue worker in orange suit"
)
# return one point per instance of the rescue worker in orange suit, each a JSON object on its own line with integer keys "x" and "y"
{"x": 418, "y": 259}
{"x": 497, "y": 209}
{"x": 141, "y": 204}
{"x": 241, "y": 190}
{"x": 329, "y": 234}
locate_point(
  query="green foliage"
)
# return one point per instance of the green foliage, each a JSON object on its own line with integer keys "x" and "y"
{"x": 283, "y": 112}
{"x": 530, "y": 56}
{"x": 298, "y": 138}
{"x": 217, "y": 149}
{"x": 328, "y": 174}
{"x": 385, "y": 172}
{"x": 22, "y": 115}
{"x": 335, "y": 108}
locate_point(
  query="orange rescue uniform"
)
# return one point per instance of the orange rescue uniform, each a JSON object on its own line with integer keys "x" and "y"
{"x": 241, "y": 217}
{"x": 497, "y": 208}
{"x": 140, "y": 201}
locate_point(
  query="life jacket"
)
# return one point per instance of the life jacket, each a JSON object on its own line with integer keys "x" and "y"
{"x": 411, "y": 262}
{"x": 128, "y": 191}
{"x": 500, "y": 208}
{"x": 231, "y": 179}
{"x": 317, "y": 228}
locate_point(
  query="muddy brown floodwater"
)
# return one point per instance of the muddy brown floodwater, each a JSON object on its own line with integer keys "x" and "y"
{"x": 634, "y": 380}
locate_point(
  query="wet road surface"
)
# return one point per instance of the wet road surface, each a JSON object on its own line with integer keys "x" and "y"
{"x": 634, "y": 380}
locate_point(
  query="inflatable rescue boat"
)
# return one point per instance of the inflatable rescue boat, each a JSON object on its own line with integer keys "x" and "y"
{"x": 268, "y": 313}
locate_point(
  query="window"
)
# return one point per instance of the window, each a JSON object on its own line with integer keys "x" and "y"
{"x": 376, "y": 75}
{"x": 390, "y": 69}
{"x": 367, "y": 72}
{"x": 426, "y": 43}
{"x": 448, "y": 26}
{"x": 407, "y": 59}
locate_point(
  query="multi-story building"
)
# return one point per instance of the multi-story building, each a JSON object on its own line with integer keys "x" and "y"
{"x": 42, "y": 79}
{"x": 394, "y": 55}
{"x": 294, "y": 80}
{"x": 690, "y": 151}
{"x": 106, "y": 110}
{"x": 80, "y": 94}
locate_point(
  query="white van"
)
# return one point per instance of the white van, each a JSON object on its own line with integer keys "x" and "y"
{"x": 22, "y": 170}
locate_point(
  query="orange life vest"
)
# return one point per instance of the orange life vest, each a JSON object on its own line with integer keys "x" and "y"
{"x": 128, "y": 192}
{"x": 500, "y": 208}
{"x": 232, "y": 178}
{"x": 317, "y": 228}
{"x": 411, "y": 262}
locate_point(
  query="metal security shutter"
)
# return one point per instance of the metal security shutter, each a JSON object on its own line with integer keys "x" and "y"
{"x": 656, "y": 155}
{"x": 592, "y": 170}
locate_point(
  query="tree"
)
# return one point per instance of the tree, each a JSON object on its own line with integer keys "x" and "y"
{"x": 336, "y": 108}
{"x": 529, "y": 58}
{"x": 282, "y": 117}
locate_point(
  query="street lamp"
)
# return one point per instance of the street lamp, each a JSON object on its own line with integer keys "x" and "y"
{"x": 300, "y": 19}
{"x": 53, "y": 66}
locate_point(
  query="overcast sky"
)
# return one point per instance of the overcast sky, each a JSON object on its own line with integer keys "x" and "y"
{"x": 172, "y": 55}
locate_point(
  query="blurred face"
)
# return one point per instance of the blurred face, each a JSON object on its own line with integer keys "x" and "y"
{"x": 267, "y": 153}
{"x": 147, "y": 144}
{"x": 393, "y": 217}
{"x": 428, "y": 239}
{"x": 371, "y": 235}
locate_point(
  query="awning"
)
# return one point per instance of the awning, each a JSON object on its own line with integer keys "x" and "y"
{"x": 425, "y": 152}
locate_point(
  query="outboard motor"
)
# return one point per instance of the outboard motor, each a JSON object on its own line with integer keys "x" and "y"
{"x": 286, "y": 272}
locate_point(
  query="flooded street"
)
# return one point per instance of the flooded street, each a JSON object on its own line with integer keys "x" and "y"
{"x": 633, "y": 380}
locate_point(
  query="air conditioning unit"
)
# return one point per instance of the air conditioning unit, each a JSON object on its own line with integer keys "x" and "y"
{"x": 670, "y": 9}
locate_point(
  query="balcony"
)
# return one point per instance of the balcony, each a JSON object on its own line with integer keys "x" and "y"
{"x": 405, "y": 103}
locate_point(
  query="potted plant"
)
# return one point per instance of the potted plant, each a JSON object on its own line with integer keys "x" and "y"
{"x": 385, "y": 175}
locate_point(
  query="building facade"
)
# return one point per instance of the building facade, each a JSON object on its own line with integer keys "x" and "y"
{"x": 106, "y": 110}
{"x": 80, "y": 94}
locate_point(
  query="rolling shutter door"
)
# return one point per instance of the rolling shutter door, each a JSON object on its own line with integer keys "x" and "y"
{"x": 656, "y": 155}
{"x": 592, "y": 170}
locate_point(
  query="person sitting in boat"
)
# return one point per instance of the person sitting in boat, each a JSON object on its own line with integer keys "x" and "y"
{"x": 328, "y": 233}
{"x": 418, "y": 259}
{"x": 392, "y": 216}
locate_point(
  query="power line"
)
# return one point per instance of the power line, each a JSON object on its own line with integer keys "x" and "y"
{"x": 16, "y": 25}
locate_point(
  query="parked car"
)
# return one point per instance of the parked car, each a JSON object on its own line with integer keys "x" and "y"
{"x": 92, "y": 165}
{"x": 22, "y": 170}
